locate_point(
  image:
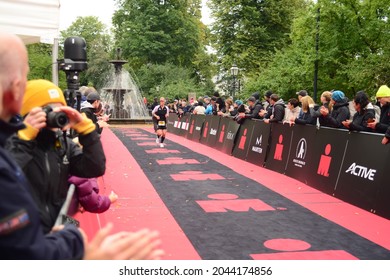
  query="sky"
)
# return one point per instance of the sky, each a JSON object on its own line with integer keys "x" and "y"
{"x": 103, "y": 9}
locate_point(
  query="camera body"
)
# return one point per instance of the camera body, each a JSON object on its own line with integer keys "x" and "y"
{"x": 74, "y": 62}
{"x": 55, "y": 119}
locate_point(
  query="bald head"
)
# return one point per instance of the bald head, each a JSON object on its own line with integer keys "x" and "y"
{"x": 13, "y": 74}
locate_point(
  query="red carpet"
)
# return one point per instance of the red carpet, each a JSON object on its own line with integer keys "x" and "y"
{"x": 140, "y": 205}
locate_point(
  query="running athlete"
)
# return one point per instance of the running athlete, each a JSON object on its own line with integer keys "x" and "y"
{"x": 161, "y": 114}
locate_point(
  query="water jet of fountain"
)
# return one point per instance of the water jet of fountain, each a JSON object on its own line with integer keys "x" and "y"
{"x": 122, "y": 97}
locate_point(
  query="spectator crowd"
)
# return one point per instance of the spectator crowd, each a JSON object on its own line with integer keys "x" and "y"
{"x": 335, "y": 109}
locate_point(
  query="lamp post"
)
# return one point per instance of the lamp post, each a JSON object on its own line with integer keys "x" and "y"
{"x": 234, "y": 72}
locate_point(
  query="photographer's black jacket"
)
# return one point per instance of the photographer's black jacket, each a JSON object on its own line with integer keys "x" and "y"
{"x": 49, "y": 160}
{"x": 21, "y": 235}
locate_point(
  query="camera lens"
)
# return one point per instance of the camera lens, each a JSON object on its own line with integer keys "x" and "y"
{"x": 55, "y": 119}
{"x": 61, "y": 119}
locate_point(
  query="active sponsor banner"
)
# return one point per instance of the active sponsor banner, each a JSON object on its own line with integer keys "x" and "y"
{"x": 258, "y": 144}
{"x": 329, "y": 149}
{"x": 362, "y": 171}
{"x": 279, "y": 147}
{"x": 195, "y": 127}
{"x": 243, "y": 137}
{"x": 301, "y": 152}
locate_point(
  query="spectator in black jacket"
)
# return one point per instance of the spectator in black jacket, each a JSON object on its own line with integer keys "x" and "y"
{"x": 325, "y": 98}
{"x": 383, "y": 124}
{"x": 266, "y": 112}
{"x": 338, "y": 114}
{"x": 365, "y": 113}
{"x": 278, "y": 109}
{"x": 386, "y": 139}
{"x": 254, "y": 108}
{"x": 90, "y": 107}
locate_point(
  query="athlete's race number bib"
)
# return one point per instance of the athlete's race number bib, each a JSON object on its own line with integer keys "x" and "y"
{"x": 161, "y": 123}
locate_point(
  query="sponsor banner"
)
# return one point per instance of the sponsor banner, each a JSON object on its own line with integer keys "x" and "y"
{"x": 191, "y": 127}
{"x": 301, "y": 152}
{"x": 206, "y": 128}
{"x": 221, "y": 134}
{"x": 230, "y": 136}
{"x": 243, "y": 137}
{"x": 213, "y": 131}
{"x": 279, "y": 147}
{"x": 362, "y": 170}
{"x": 195, "y": 127}
{"x": 329, "y": 148}
{"x": 172, "y": 124}
{"x": 381, "y": 205}
{"x": 258, "y": 145}
{"x": 183, "y": 125}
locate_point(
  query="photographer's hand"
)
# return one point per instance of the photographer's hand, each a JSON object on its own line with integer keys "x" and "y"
{"x": 74, "y": 116}
{"x": 34, "y": 121}
{"x": 77, "y": 121}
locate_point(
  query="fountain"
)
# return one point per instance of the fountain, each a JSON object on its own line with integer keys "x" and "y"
{"x": 122, "y": 97}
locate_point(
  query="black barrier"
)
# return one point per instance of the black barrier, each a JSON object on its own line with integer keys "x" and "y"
{"x": 258, "y": 144}
{"x": 244, "y": 136}
{"x": 279, "y": 147}
{"x": 170, "y": 123}
{"x": 195, "y": 128}
{"x": 205, "y": 130}
{"x": 349, "y": 165}
{"x": 362, "y": 172}
{"x": 381, "y": 205}
{"x": 230, "y": 136}
{"x": 191, "y": 128}
{"x": 221, "y": 133}
{"x": 329, "y": 148}
{"x": 211, "y": 133}
{"x": 184, "y": 124}
{"x": 177, "y": 126}
{"x": 301, "y": 154}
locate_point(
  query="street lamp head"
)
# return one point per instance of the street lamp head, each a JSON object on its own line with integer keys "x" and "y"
{"x": 234, "y": 70}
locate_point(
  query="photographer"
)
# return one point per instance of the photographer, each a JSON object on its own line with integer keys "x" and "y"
{"x": 44, "y": 152}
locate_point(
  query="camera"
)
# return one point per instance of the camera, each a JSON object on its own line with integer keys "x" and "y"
{"x": 55, "y": 119}
{"x": 75, "y": 55}
{"x": 74, "y": 62}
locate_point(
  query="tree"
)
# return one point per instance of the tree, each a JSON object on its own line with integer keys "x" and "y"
{"x": 249, "y": 32}
{"x": 99, "y": 47}
{"x": 40, "y": 61}
{"x": 353, "y": 50}
{"x": 159, "y": 31}
{"x": 168, "y": 80}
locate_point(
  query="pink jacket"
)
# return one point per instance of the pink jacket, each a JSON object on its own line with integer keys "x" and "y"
{"x": 87, "y": 193}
